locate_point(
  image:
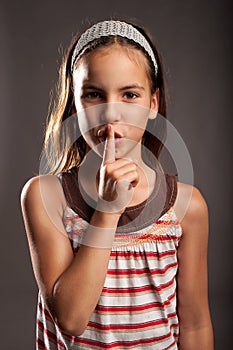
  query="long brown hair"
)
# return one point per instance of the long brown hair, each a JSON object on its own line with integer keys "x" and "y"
{"x": 64, "y": 146}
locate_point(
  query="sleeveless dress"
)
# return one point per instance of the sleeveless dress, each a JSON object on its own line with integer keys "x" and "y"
{"x": 137, "y": 306}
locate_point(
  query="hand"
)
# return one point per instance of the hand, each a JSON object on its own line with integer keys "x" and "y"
{"x": 117, "y": 178}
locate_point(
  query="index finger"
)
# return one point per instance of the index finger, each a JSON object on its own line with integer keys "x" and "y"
{"x": 109, "y": 147}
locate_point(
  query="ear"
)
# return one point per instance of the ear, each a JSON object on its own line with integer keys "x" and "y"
{"x": 154, "y": 105}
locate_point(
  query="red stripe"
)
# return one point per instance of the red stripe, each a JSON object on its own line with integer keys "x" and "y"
{"x": 125, "y": 327}
{"x": 148, "y": 236}
{"x": 41, "y": 344}
{"x": 130, "y": 271}
{"x": 137, "y": 290}
{"x": 173, "y": 314}
{"x": 124, "y": 344}
{"x": 167, "y": 222}
{"x": 144, "y": 307}
{"x": 137, "y": 308}
{"x": 51, "y": 336}
{"x": 135, "y": 326}
{"x": 143, "y": 255}
{"x": 169, "y": 347}
{"x": 46, "y": 313}
{"x": 172, "y": 296}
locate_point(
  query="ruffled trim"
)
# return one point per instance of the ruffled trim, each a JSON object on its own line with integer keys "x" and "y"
{"x": 166, "y": 229}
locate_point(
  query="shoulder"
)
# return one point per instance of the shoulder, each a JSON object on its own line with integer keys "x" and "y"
{"x": 190, "y": 205}
{"x": 35, "y": 184}
{"x": 42, "y": 188}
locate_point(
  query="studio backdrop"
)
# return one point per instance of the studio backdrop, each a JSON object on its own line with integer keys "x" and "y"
{"x": 194, "y": 38}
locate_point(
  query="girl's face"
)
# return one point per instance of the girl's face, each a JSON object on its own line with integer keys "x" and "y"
{"x": 111, "y": 86}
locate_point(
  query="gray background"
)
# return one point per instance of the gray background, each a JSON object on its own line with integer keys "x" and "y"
{"x": 194, "y": 38}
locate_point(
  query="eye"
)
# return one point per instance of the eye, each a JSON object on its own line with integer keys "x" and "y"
{"x": 130, "y": 95}
{"x": 92, "y": 95}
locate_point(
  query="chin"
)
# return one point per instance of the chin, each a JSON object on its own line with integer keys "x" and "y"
{"x": 122, "y": 153}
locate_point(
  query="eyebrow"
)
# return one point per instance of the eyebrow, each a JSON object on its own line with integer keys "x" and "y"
{"x": 91, "y": 86}
{"x": 133, "y": 86}
{"x": 127, "y": 87}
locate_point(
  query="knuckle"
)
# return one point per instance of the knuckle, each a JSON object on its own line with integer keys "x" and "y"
{"x": 108, "y": 168}
{"x": 114, "y": 175}
{"x": 134, "y": 173}
{"x": 134, "y": 167}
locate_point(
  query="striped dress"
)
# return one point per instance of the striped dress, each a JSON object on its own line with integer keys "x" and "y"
{"x": 137, "y": 306}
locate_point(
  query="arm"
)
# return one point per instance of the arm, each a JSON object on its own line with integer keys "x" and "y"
{"x": 193, "y": 309}
{"x": 71, "y": 286}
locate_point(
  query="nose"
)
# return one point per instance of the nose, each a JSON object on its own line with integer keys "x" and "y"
{"x": 110, "y": 113}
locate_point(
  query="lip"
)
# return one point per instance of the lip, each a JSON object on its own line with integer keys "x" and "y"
{"x": 101, "y": 134}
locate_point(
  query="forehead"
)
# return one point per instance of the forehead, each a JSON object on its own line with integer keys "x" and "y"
{"x": 117, "y": 60}
{"x": 128, "y": 52}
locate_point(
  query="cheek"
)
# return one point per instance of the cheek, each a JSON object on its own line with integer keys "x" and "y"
{"x": 87, "y": 128}
{"x": 89, "y": 118}
{"x": 89, "y": 121}
{"x": 136, "y": 117}
{"x": 86, "y": 120}
{"x": 136, "y": 134}
{"x": 77, "y": 100}
{"x": 89, "y": 134}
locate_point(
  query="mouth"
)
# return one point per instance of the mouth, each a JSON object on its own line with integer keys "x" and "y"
{"x": 102, "y": 134}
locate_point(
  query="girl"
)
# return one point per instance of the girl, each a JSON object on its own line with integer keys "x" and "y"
{"x": 118, "y": 248}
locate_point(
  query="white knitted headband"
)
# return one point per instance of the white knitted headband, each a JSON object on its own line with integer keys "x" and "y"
{"x": 116, "y": 28}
